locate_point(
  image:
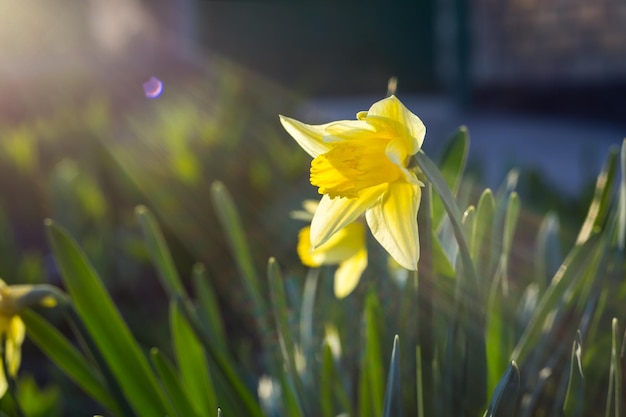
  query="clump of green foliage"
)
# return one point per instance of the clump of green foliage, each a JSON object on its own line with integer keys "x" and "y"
{"x": 459, "y": 337}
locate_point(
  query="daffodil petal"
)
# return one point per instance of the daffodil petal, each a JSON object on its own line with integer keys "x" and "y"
{"x": 334, "y": 213}
{"x": 392, "y": 108}
{"x": 339, "y": 247}
{"x": 342, "y": 245}
{"x": 3, "y": 382}
{"x": 349, "y": 130}
{"x": 13, "y": 345}
{"x": 304, "y": 249}
{"x": 309, "y": 137}
{"x": 393, "y": 223}
{"x": 349, "y": 274}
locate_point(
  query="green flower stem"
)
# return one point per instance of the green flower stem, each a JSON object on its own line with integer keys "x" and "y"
{"x": 469, "y": 319}
{"x": 425, "y": 297}
{"x": 432, "y": 173}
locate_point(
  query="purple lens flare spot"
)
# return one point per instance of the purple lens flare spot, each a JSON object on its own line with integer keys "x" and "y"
{"x": 153, "y": 87}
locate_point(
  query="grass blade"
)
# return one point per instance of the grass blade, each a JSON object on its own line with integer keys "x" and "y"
{"x": 574, "y": 399}
{"x": 393, "y": 393}
{"x": 159, "y": 253}
{"x": 192, "y": 363}
{"x": 621, "y": 230}
{"x": 504, "y": 398}
{"x": 208, "y": 309}
{"x": 172, "y": 385}
{"x": 482, "y": 234}
{"x": 105, "y": 324}
{"x": 229, "y": 218}
{"x": 615, "y": 387}
{"x": 286, "y": 340}
{"x": 452, "y": 165}
{"x": 370, "y": 381}
{"x": 68, "y": 358}
{"x": 327, "y": 381}
{"x": 548, "y": 251}
{"x": 569, "y": 272}
{"x": 602, "y": 197}
{"x": 435, "y": 177}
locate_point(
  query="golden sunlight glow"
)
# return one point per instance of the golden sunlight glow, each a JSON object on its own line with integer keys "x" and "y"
{"x": 115, "y": 23}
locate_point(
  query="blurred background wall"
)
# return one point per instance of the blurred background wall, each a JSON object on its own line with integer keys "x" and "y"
{"x": 473, "y": 49}
{"x": 325, "y": 47}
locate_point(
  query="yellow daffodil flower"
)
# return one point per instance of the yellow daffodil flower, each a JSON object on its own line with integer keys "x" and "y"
{"x": 14, "y": 298}
{"x": 361, "y": 167}
{"x": 345, "y": 248}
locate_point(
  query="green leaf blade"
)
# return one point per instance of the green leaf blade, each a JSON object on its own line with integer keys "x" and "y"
{"x": 172, "y": 385}
{"x": 105, "y": 324}
{"x": 504, "y": 398}
{"x": 192, "y": 362}
{"x": 393, "y": 393}
{"x": 68, "y": 358}
{"x": 159, "y": 253}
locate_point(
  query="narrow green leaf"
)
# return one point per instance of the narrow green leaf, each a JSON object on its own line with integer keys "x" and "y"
{"x": 420, "y": 380}
{"x": 308, "y": 343}
{"x": 224, "y": 364}
{"x": 441, "y": 262}
{"x": 504, "y": 397}
{"x": 574, "y": 398}
{"x": 470, "y": 319}
{"x": 621, "y": 230}
{"x": 425, "y": 288}
{"x": 290, "y": 398}
{"x": 371, "y": 388}
{"x": 331, "y": 385}
{"x": 599, "y": 207}
{"x": 469, "y": 218}
{"x": 229, "y": 218}
{"x": 508, "y": 186}
{"x": 452, "y": 165}
{"x": 510, "y": 222}
{"x": 503, "y": 200}
{"x": 192, "y": 363}
{"x": 208, "y": 308}
{"x": 172, "y": 385}
{"x": 498, "y": 334}
{"x": 439, "y": 184}
{"x": 475, "y": 367}
{"x": 285, "y": 338}
{"x": 569, "y": 272}
{"x": 548, "y": 250}
{"x": 483, "y": 233}
{"x": 68, "y": 358}
{"x": 162, "y": 259}
{"x": 159, "y": 253}
{"x": 327, "y": 382}
{"x": 231, "y": 224}
{"x": 615, "y": 373}
{"x": 105, "y": 324}
{"x": 393, "y": 392}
